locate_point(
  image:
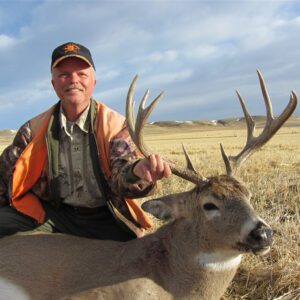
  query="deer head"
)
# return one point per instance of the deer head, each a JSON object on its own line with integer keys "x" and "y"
{"x": 218, "y": 206}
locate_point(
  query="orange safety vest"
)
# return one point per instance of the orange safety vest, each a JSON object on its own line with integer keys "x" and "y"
{"x": 32, "y": 161}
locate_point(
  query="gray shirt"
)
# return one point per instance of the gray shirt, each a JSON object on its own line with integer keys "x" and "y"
{"x": 77, "y": 180}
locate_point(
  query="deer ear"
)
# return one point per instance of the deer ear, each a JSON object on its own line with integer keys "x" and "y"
{"x": 159, "y": 209}
{"x": 169, "y": 207}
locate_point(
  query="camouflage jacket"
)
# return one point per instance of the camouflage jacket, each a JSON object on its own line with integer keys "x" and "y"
{"x": 122, "y": 182}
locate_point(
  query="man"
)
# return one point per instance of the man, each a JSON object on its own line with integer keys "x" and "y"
{"x": 71, "y": 168}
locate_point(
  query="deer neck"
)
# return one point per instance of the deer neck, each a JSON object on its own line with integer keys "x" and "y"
{"x": 181, "y": 239}
{"x": 186, "y": 259}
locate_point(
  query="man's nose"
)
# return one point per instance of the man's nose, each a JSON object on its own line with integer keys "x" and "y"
{"x": 74, "y": 77}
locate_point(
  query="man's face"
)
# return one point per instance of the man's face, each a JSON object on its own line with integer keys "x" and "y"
{"x": 73, "y": 81}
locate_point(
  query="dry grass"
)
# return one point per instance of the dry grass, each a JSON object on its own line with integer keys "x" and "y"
{"x": 6, "y": 137}
{"x": 272, "y": 175}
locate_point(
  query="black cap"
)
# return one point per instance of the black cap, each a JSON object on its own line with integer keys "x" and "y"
{"x": 71, "y": 50}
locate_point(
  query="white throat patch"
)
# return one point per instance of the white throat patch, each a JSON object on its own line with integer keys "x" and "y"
{"x": 218, "y": 261}
{"x": 10, "y": 291}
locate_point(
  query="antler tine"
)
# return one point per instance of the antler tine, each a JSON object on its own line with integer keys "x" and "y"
{"x": 130, "y": 109}
{"x": 189, "y": 162}
{"x": 226, "y": 161}
{"x": 191, "y": 167}
{"x": 135, "y": 129}
{"x": 249, "y": 121}
{"x": 271, "y": 127}
{"x": 266, "y": 96}
{"x": 142, "y": 117}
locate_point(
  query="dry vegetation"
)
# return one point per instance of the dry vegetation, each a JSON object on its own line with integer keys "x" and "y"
{"x": 272, "y": 175}
{"x": 6, "y": 136}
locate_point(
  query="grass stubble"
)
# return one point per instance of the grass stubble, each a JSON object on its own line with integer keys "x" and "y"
{"x": 272, "y": 175}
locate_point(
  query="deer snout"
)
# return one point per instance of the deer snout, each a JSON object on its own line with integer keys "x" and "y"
{"x": 260, "y": 238}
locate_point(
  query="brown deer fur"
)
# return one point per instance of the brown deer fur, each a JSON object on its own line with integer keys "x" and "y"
{"x": 194, "y": 256}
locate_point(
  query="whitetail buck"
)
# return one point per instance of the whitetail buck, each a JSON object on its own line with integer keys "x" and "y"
{"x": 194, "y": 256}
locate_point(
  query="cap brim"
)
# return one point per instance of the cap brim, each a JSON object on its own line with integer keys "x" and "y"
{"x": 73, "y": 55}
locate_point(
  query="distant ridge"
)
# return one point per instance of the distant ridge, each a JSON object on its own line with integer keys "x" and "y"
{"x": 229, "y": 122}
{"x": 8, "y": 132}
{"x": 294, "y": 121}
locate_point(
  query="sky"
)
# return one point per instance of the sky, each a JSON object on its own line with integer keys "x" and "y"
{"x": 197, "y": 52}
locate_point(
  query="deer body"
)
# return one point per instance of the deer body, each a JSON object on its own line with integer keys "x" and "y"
{"x": 181, "y": 260}
{"x": 106, "y": 270}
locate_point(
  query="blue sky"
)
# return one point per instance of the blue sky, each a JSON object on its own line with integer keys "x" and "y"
{"x": 198, "y": 52}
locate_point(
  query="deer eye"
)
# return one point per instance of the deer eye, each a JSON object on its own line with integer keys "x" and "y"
{"x": 210, "y": 206}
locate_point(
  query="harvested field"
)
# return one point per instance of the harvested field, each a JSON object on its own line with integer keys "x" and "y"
{"x": 273, "y": 177}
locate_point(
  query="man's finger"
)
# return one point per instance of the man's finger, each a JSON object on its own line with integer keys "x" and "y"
{"x": 167, "y": 170}
{"x": 147, "y": 176}
{"x": 160, "y": 166}
{"x": 153, "y": 164}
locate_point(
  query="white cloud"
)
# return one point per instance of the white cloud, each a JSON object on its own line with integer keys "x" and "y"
{"x": 167, "y": 78}
{"x": 164, "y": 57}
{"x": 6, "y": 41}
{"x": 107, "y": 75}
{"x": 203, "y": 52}
{"x": 112, "y": 95}
{"x": 25, "y": 96}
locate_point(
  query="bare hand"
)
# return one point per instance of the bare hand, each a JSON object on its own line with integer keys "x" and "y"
{"x": 152, "y": 168}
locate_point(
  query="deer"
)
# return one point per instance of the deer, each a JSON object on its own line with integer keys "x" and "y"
{"x": 193, "y": 255}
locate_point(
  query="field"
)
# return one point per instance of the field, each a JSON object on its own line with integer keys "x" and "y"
{"x": 273, "y": 177}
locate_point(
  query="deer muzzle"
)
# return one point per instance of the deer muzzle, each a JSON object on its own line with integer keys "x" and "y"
{"x": 259, "y": 240}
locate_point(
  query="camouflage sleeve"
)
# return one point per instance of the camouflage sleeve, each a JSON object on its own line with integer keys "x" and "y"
{"x": 8, "y": 159}
{"x": 123, "y": 157}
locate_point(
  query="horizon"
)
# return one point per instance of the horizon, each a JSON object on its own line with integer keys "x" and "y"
{"x": 219, "y": 121}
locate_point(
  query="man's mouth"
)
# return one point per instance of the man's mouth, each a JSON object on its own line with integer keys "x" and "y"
{"x": 73, "y": 90}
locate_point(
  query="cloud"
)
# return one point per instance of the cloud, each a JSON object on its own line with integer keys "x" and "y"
{"x": 197, "y": 51}
{"x": 204, "y": 51}
{"x": 169, "y": 78}
{"x": 156, "y": 57}
{"x": 6, "y": 41}
{"x": 106, "y": 74}
{"x": 27, "y": 96}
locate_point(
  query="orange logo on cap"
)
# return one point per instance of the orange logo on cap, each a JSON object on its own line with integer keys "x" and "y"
{"x": 71, "y": 48}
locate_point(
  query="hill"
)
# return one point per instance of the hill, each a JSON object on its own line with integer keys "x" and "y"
{"x": 294, "y": 121}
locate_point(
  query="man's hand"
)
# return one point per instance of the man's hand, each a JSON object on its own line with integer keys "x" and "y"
{"x": 152, "y": 168}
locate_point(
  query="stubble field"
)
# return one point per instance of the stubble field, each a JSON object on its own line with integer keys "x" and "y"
{"x": 273, "y": 177}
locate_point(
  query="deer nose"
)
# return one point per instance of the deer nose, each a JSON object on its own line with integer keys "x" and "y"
{"x": 261, "y": 234}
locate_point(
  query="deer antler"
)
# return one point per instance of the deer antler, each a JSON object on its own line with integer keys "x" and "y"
{"x": 135, "y": 130}
{"x": 271, "y": 127}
